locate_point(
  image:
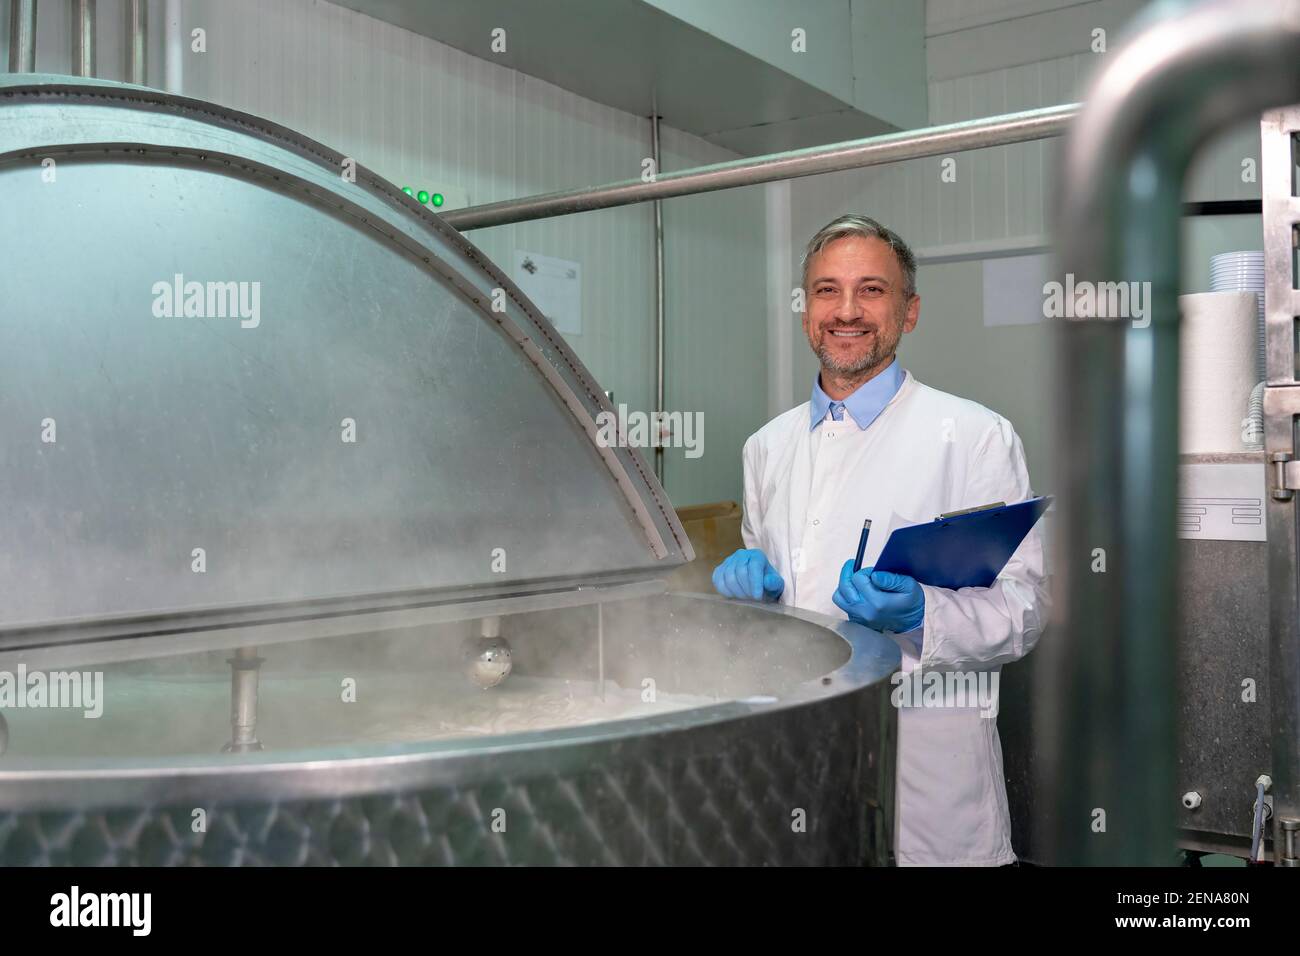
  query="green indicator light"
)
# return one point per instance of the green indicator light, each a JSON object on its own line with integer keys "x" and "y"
{"x": 423, "y": 196}
{"x": 407, "y": 190}
{"x": 437, "y": 199}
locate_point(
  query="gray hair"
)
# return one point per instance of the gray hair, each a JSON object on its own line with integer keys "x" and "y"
{"x": 864, "y": 227}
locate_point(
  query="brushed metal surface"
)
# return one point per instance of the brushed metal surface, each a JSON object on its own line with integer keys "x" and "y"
{"x": 792, "y": 763}
{"x": 206, "y": 432}
{"x": 1224, "y": 740}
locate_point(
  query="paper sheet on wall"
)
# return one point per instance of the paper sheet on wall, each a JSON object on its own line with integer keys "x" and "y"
{"x": 1013, "y": 289}
{"x": 554, "y": 286}
{"x": 1221, "y": 502}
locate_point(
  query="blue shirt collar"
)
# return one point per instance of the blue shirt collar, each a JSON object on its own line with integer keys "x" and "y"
{"x": 868, "y": 401}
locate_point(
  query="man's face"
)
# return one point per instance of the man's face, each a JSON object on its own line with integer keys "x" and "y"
{"x": 856, "y": 310}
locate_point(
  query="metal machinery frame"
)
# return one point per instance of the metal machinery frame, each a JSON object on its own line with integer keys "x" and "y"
{"x": 1278, "y": 138}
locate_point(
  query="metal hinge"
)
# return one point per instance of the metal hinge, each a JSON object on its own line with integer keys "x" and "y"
{"x": 1285, "y": 475}
{"x": 1281, "y": 409}
{"x": 1288, "y": 854}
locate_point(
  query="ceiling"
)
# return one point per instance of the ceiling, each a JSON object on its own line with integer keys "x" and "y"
{"x": 629, "y": 55}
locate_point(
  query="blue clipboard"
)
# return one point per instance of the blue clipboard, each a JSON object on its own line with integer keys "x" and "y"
{"x": 967, "y": 550}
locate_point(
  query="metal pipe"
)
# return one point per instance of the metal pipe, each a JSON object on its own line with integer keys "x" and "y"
{"x": 22, "y": 36}
{"x": 244, "y": 667}
{"x": 1107, "y": 673}
{"x": 173, "y": 48}
{"x": 137, "y": 14}
{"x": 659, "y": 308}
{"x": 872, "y": 151}
{"x": 1260, "y": 817}
{"x": 83, "y": 37}
{"x": 600, "y": 652}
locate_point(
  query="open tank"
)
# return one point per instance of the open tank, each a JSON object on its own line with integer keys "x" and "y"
{"x": 310, "y": 504}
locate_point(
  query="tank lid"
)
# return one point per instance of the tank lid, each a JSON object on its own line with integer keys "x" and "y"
{"x": 242, "y": 371}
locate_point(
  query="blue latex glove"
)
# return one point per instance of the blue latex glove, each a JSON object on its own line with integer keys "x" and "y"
{"x": 748, "y": 575}
{"x": 881, "y": 600}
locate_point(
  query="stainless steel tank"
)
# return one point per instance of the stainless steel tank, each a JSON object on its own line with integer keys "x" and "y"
{"x": 281, "y": 450}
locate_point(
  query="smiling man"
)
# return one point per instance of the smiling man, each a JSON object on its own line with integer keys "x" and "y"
{"x": 873, "y": 442}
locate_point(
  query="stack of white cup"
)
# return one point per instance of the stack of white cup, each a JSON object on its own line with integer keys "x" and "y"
{"x": 1243, "y": 272}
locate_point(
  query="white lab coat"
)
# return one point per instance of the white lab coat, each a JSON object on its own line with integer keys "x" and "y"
{"x": 928, "y": 452}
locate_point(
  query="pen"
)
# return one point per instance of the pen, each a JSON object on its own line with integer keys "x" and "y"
{"x": 862, "y": 546}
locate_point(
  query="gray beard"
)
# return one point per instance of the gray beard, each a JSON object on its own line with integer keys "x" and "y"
{"x": 868, "y": 361}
